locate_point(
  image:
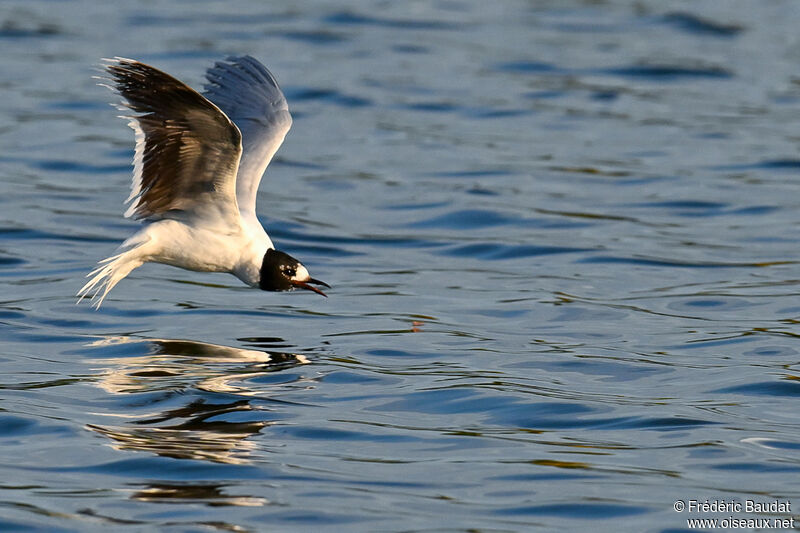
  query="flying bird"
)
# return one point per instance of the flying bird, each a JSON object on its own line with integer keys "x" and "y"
{"x": 197, "y": 166}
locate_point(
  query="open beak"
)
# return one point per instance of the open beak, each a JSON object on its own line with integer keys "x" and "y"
{"x": 307, "y": 285}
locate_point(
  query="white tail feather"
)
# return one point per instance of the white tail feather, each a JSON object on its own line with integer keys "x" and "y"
{"x": 112, "y": 270}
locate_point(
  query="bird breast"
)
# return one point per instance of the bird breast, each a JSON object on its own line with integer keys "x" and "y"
{"x": 205, "y": 249}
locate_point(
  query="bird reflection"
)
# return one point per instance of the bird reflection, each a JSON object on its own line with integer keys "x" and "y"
{"x": 171, "y": 364}
{"x": 219, "y": 411}
{"x": 195, "y": 492}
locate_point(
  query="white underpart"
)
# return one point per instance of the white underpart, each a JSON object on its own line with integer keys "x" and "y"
{"x": 174, "y": 243}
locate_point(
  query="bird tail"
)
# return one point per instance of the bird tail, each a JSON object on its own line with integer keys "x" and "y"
{"x": 112, "y": 270}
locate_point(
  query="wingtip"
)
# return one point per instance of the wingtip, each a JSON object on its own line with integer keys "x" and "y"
{"x": 243, "y": 65}
{"x": 117, "y": 59}
{"x": 106, "y": 63}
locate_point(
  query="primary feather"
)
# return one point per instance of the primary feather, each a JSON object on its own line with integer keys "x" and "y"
{"x": 250, "y": 96}
{"x": 187, "y": 150}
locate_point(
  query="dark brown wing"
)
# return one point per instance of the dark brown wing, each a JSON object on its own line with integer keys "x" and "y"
{"x": 187, "y": 150}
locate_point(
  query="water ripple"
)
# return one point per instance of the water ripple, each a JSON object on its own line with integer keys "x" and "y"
{"x": 495, "y": 252}
{"x": 764, "y": 388}
{"x": 350, "y": 18}
{"x": 694, "y": 24}
{"x": 328, "y": 95}
{"x": 668, "y": 72}
{"x": 563, "y": 240}
{"x": 581, "y": 511}
{"x": 655, "y": 72}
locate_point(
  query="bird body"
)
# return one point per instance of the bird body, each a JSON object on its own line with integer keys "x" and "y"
{"x": 197, "y": 167}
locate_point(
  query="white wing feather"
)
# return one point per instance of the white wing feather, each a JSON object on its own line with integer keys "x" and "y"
{"x": 250, "y": 96}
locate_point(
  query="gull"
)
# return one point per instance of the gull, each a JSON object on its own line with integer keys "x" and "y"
{"x": 197, "y": 166}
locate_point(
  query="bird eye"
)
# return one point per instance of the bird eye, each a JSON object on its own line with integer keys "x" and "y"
{"x": 289, "y": 271}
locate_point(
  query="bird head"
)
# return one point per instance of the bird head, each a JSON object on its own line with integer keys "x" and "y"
{"x": 282, "y": 272}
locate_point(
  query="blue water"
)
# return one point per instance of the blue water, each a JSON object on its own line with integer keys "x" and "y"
{"x": 564, "y": 250}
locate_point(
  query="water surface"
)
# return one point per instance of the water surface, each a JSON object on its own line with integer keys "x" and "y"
{"x": 563, "y": 241}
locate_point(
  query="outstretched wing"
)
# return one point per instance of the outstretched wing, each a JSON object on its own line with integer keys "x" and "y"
{"x": 187, "y": 150}
{"x": 249, "y": 95}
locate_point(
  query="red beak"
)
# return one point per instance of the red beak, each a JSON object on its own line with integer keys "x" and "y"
{"x": 306, "y": 285}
